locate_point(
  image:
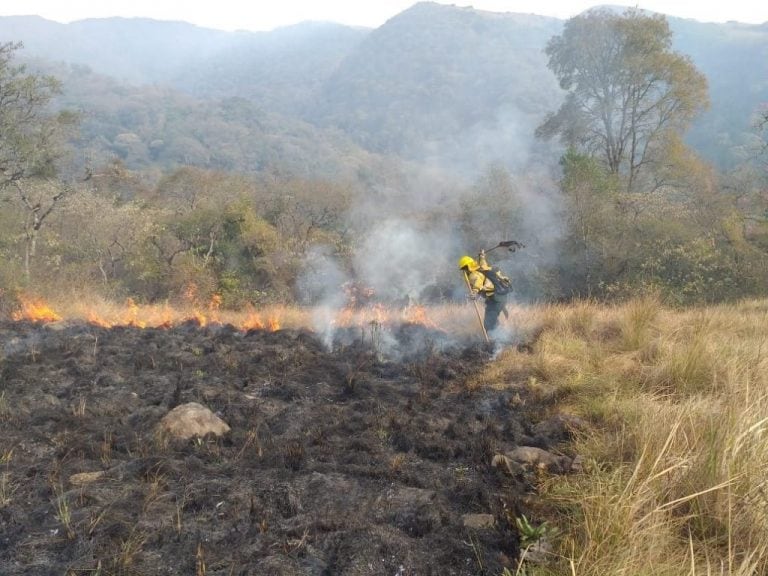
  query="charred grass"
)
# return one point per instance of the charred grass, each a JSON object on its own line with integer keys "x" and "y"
{"x": 349, "y": 460}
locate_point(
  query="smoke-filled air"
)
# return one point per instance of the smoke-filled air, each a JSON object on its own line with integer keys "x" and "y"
{"x": 467, "y": 292}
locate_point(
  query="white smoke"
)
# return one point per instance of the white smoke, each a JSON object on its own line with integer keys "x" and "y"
{"x": 415, "y": 222}
{"x": 321, "y": 285}
{"x": 400, "y": 259}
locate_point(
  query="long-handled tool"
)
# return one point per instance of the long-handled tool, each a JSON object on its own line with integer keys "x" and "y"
{"x": 511, "y": 244}
{"x": 477, "y": 309}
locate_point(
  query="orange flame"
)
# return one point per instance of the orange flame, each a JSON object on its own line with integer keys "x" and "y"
{"x": 36, "y": 310}
{"x": 200, "y": 318}
{"x": 252, "y": 321}
{"x": 94, "y": 318}
{"x": 166, "y": 318}
{"x": 147, "y": 315}
{"x": 131, "y": 317}
{"x": 380, "y": 314}
{"x": 213, "y": 308}
{"x": 344, "y": 318}
{"x": 418, "y": 315}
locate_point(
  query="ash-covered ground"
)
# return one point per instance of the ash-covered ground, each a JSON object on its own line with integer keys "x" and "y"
{"x": 350, "y": 461}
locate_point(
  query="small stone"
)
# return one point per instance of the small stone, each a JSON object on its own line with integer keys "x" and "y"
{"x": 84, "y": 478}
{"x": 50, "y": 400}
{"x": 532, "y": 457}
{"x": 505, "y": 464}
{"x": 539, "y": 553}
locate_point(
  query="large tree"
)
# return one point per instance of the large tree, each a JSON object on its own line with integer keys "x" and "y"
{"x": 30, "y": 144}
{"x": 27, "y": 129}
{"x": 628, "y": 93}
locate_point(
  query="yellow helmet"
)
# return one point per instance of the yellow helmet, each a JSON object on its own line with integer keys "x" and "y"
{"x": 467, "y": 262}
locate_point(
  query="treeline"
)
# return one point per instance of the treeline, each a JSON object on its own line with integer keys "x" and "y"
{"x": 251, "y": 240}
{"x": 211, "y": 232}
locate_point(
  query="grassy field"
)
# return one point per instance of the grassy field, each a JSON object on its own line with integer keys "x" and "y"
{"x": 675, "y": 452}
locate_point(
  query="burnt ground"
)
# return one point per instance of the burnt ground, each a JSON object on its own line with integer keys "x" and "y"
{"x": 339, "y": 462}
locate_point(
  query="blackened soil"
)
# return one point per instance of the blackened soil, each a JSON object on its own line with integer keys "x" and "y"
{"x": 339, "y": 462}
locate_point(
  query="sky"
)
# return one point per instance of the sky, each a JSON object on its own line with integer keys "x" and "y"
{"x": 270, "y": 14}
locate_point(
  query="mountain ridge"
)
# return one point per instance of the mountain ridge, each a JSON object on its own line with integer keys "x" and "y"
{"x": 434, "y": 81}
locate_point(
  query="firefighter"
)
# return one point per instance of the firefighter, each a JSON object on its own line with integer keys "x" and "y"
{"x": 486, "y": 281}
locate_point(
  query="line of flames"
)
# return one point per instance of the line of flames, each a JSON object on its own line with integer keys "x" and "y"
{"x": 382, "y": 315}
{"x": 133, "y": 315}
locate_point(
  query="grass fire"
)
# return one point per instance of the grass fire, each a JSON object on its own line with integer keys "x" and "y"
{"x": 324, "y": 456}
{"x": 272, "y": 318}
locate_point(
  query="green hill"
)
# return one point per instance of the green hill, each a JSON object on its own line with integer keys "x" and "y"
{"x": 435, "y": 84}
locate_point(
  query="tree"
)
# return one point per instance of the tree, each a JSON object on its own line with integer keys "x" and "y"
{"x": 30, "y": 144}
{"x": 99, "y": 235}
{"x": 628, "y": 92}
{"x": 308, "y": 211}
{"x": 595, "y": 226}
{"x": 496, "y": 189}
{"x": 26, "y": 130}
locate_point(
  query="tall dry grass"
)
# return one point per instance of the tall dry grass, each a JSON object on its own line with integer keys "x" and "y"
{"x": 675, "y": 480}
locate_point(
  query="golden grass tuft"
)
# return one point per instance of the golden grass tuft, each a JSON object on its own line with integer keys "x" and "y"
{"x": 674, "y": 478}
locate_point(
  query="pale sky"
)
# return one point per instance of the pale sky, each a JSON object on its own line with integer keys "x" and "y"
{"x": 269, "y": 14}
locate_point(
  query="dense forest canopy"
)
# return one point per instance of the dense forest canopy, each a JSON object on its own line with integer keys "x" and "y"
{"x": 246, "y": 164}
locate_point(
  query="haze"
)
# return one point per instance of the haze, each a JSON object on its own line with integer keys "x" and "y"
{"x": 236, "y": 15}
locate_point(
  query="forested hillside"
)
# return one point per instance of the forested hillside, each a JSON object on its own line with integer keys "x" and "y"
{"x": 154, "y": 128}
{"x": 282, "y": 71}
{"x": 734, "y": 58}
{"x": 445, "y": 82}
{"x": 133, "y": 50}
{"x": 254, "y": 163}
{"x": 435, "y": 82}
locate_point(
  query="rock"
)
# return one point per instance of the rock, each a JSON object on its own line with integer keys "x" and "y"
{"x": 84, "y": 478}
{"x": 405, "y": 497}
{"x": 189, "y": 420}
{"x": 531, "y": 457}
{"x": 478, "y": 521}
{"x": 540, "y": 552}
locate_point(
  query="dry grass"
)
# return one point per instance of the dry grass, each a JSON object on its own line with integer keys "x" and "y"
{"x": 674, "y": 479}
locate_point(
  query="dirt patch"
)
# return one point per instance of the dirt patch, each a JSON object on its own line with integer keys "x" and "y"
{"x": 344, "y": 462}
